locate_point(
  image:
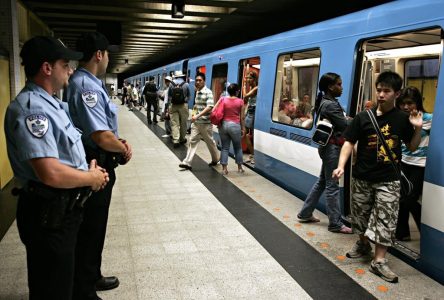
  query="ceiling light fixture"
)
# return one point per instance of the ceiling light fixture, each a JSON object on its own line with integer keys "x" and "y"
{"x": 178, "y": 9}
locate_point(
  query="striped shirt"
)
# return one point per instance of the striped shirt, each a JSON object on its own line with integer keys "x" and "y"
{"x": 204, "y": 98}
{"x": 418, "y": 157}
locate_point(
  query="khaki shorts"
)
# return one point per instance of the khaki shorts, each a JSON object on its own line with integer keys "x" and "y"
{"x": 374, "y": 209}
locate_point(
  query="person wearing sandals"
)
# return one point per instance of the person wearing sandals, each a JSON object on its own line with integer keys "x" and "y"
{"x": 328, "y": 107}
{"x": 375, "y": 186}
{"x": 232, "y": 127}
{"x": 250, "y": 104}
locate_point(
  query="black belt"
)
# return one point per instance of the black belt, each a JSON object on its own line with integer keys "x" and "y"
{"x": 77, "y": 196}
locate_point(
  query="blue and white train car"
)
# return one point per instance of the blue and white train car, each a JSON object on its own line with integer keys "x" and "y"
{"x": 403, "y": 36}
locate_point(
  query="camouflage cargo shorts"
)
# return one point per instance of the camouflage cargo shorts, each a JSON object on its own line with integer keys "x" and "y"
{"x": 374, "y": 209}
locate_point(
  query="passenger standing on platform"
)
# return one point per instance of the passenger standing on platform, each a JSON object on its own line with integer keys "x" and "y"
{"x": 250, "y": 98}
{"x": 375, "y": 184}
{"x": 413, "y": 163}
{"x": 201, "y": 127}
{"x": 328, "y": 107}
{"x": 166, "y": 105}
{"x": 124, "y": 93}
{"x": 179, "y": 93}
{"x": 232, "y": 127}
{"x": 150, "y": 93}
{"x": 93, "y": 112}
{"x": 48, "y": 159}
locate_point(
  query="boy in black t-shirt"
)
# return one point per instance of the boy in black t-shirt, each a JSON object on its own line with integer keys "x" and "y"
{"x": 375, "y": 185}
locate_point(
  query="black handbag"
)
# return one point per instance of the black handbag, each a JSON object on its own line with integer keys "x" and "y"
{"x": 406, "y": 184}
{"x": 324, "y": 129}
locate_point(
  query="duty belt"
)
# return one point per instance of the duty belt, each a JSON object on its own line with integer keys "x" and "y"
{"x": 76, "y": 196}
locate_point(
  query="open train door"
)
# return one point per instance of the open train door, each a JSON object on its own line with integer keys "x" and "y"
{"x": 416, "y": 56}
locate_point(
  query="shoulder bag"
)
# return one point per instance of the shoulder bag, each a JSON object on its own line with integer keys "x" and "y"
{"x": 323, "y": 131}
{"x": 406, "y": 185}
{"x": 217, "y": 114}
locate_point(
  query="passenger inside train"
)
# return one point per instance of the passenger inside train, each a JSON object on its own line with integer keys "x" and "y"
{"x": 413, "y": 164}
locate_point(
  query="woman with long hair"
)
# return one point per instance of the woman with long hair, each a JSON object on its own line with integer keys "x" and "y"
{"x": 232, "y": 127}
{"x": 413, "y": 163}
{"x": 327, "y": 107}
{"x": 250, "y": 97}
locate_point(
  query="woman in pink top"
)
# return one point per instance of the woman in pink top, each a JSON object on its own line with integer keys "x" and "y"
{"x": 232, "y": 127}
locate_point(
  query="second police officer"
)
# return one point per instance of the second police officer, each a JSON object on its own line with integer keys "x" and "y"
{"x": 93, "y": 112}
{"x": 48, "y": 159}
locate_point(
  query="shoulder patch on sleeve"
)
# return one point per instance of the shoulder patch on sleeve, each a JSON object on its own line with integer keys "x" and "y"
{"x": 37, "y": 125}
{"x": 90, "y": 98}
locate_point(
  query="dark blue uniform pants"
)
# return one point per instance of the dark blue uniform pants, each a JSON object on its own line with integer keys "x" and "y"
{"x": 49, "y": 252}
{"x": 90, "y": 241}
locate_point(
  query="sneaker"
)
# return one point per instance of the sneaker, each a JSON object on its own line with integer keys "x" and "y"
{"x": 185, "y": 166}
{"x": 344, "y": 229}
{"x": 382, "y": 269}
{"x": 311, "y": 219}
{"x": 359, "y": 249}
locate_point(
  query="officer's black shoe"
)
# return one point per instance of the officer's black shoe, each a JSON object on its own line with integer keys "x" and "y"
{"x": 107, "y": 283}
{"x": 149, "y": 122}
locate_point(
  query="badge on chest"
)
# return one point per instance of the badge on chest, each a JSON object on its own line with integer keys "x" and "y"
{"x": 90, "y": 98}
{"x": 37, "y": 125}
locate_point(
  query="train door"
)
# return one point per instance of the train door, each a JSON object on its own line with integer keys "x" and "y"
{"x": 219, "y": 80}
{"x": 416, "y": 56}
{"x": 249, "y": 71}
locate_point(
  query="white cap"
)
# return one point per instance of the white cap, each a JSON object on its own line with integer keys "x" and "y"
{"x": 178, "y": 73}
{"x": 168, "y": 78}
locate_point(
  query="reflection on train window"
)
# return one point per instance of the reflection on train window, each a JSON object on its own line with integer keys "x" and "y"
{"x": 295, "y": 89}
{"x": 218, "y": 80}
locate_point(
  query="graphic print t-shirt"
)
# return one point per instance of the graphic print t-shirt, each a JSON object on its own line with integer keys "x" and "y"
{"x": 373, "y": 163}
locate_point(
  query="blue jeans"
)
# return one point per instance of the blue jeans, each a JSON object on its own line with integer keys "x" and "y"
{"x": 230, "y": 132}
{"x": 330, "y": 157}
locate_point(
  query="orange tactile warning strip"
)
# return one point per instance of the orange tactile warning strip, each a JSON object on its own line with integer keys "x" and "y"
{"x": 383, "y": 288}
{"x": 360, "y": 271}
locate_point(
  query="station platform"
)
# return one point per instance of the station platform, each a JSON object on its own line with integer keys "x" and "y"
{"x": 179, "y": 234}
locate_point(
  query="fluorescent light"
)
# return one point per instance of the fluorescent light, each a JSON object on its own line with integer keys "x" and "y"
{"x": 435, "y": 49}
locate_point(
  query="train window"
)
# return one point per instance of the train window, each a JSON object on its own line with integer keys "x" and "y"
{"x": 295, "y": 88}
{"x": 201, "y": 69}
{"x": 423, "y": 74}
{"x": 218, "y": 80}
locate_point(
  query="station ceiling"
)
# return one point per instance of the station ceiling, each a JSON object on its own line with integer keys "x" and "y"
{"x": 150, "y": 37}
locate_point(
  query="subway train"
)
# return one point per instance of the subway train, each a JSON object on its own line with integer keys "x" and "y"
{"x": 402, "y": 36}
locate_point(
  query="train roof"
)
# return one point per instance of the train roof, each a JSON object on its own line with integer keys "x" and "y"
{"x": 365, "y": 22}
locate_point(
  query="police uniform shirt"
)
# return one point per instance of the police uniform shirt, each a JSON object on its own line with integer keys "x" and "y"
{"x": 89, "y": 105}
{"x": 37, "y": 126}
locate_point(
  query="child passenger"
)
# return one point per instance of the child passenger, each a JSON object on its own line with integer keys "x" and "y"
{"x": 375, "y": 184}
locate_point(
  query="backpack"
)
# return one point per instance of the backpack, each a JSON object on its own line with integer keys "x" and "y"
{"x": 150, "y": 91}
{"x": 177, "y": 94}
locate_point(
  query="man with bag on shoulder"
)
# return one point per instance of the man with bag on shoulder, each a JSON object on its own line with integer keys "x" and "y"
{"x": 375, "y": 184}
{"x": 328, "y": 108}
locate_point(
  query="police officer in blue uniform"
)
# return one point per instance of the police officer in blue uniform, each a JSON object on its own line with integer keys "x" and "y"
{"x": 48, "y": 158}
{"x": 93, "y": 112}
